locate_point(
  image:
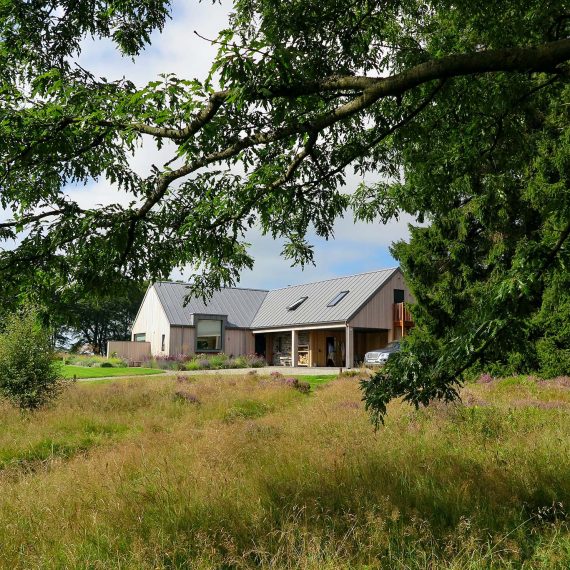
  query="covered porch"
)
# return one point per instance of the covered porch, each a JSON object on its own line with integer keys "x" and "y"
{"x": 338, "y": 346}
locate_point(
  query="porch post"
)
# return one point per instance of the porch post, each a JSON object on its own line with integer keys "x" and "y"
{"x": 349, "y": 347}
{"x": 294, "y": 348}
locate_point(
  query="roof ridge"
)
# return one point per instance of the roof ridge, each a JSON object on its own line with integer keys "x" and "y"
{"x": 334, "y": 278}
{"x": 222, "y": 288}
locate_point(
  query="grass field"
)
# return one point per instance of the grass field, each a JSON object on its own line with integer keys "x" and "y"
{"x": 316, "y": 380}
{"x": 69, "y": 371}
{"x": 244, "y": 472}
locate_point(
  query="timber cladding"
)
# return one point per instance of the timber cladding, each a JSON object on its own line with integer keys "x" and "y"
{"x": 236, "y": 341}
{"x": 131, "y": 351}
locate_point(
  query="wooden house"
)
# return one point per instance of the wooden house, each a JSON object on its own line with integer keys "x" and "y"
{"x": 325, "y": 323}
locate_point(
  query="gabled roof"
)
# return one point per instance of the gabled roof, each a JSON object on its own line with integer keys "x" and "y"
{"x": 273, "y": 312}
{"x": 240, "y": 305}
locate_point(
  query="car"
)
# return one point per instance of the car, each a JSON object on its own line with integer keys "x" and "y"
{"x": 380, "y": 356}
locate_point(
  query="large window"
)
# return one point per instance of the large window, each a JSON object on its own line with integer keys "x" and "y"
{"x": 140, "y": 337}
{"x": 399, "y": 296}
{"x": 208, "y": 335}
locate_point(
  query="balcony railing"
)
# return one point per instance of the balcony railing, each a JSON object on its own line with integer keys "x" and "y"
{"x": 402, "y": 315}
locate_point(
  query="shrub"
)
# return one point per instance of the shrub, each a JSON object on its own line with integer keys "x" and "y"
{"x": 254, "y": 361}
{"x": 239, "y": 362}
{"x": 216, "y": 360}
{"x": 193, "y": 365}
{"x": 485, "y": 379}
{"x": 295, "y": 383}
{"x": 553, "y": 360}
{"x": 29, "y": 374}
{"x": 182, "y": 396}
{"x": 106, "y": 365}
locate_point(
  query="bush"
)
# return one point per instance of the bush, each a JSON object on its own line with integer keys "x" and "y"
{"x": 193, "y": 365}
{"x": 254, "y": 361}
{"x": 106, "y": 365}
{"x": 553, "y": 360}
{"x": 216, "y": 360}
{"x": 29, "y": 374}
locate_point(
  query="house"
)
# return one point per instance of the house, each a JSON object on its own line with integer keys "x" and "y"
{"x": 325, "y": 323}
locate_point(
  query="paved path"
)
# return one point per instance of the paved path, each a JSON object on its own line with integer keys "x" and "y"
{"x": 265, "y": 371}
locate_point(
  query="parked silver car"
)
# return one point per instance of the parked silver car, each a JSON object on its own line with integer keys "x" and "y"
{"x": 380, "y": 356}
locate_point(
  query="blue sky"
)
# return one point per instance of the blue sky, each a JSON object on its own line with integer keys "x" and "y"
{"x": 356, "y": 247}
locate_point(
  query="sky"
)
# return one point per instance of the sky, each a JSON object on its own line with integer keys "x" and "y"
{"x": 356, "y": 248}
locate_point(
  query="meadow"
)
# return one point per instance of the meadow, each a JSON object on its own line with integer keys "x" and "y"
{"x": 246, "y": 472}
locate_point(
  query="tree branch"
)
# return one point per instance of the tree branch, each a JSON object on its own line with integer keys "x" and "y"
{"x": 38, "y": 217}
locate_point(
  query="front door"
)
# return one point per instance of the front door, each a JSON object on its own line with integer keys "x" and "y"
{"x": 260, "y": 344}
{"x": 330, "y": 360}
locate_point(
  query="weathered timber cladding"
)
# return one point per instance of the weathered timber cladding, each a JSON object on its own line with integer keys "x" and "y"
{"x": 378, "y": 313}
{"x": 131, "y": 351}
{"x": 182, "y": 340}
{"x": 236, "y": 341}
{"x": 239, "y": 341}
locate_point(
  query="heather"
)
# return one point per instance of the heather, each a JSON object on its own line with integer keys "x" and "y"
{"x": 250, "y": 472}
{"x": 215, "y": 361}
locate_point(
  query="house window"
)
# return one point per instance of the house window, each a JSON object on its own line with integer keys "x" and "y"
{"x": 297, "y": 303}
{"x": 208, "y": 335}
{"x": 398, "y": 295}
{"x": 140, "y": 337}
{"x": 163, "y": 343}
{"x": 339, "y": 297}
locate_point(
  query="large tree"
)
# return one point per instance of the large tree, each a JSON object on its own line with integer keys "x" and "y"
{"x": 299, "y": 94}
{"x": 490, "y": 272}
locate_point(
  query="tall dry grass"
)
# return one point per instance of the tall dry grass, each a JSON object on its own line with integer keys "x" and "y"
{"x": 247, "y": 473}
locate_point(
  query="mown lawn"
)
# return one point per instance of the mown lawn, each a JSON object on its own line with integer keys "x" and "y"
{"x": 239, "y": 472}
{"x": 69, "y": 371}
{"x": 317, "y": 380}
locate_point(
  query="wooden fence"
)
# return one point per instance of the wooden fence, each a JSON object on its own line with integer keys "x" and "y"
{"x": 131, "y": 351}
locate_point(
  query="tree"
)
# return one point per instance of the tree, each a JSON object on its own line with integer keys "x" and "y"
{"x": 29, "y": 374}
{"x": 306, "y": 91}
{"x": 490, "y": 272}
{"x": 96, "y": 319}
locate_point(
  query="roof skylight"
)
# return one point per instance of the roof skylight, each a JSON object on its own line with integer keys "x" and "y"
{"x": 297, "y": 303}
{"x": 338, "y": 298}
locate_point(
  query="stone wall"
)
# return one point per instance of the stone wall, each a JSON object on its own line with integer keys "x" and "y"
{"x": 282, "y": 344}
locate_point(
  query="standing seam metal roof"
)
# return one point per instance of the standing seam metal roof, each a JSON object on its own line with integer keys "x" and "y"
{"x": 240, "y": 305}
{"x": 258, "y": 309}
{"x": 274, "y": 313}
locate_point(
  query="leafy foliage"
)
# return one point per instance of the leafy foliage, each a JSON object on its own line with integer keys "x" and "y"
{"x": 306, "y": 89}
{"x": 29, "y": 375}
{"x": 490, "y": 271}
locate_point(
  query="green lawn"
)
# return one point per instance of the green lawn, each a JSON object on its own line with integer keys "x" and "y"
{"x": 86, "y": 372}
{"x": 315, "y": 381}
